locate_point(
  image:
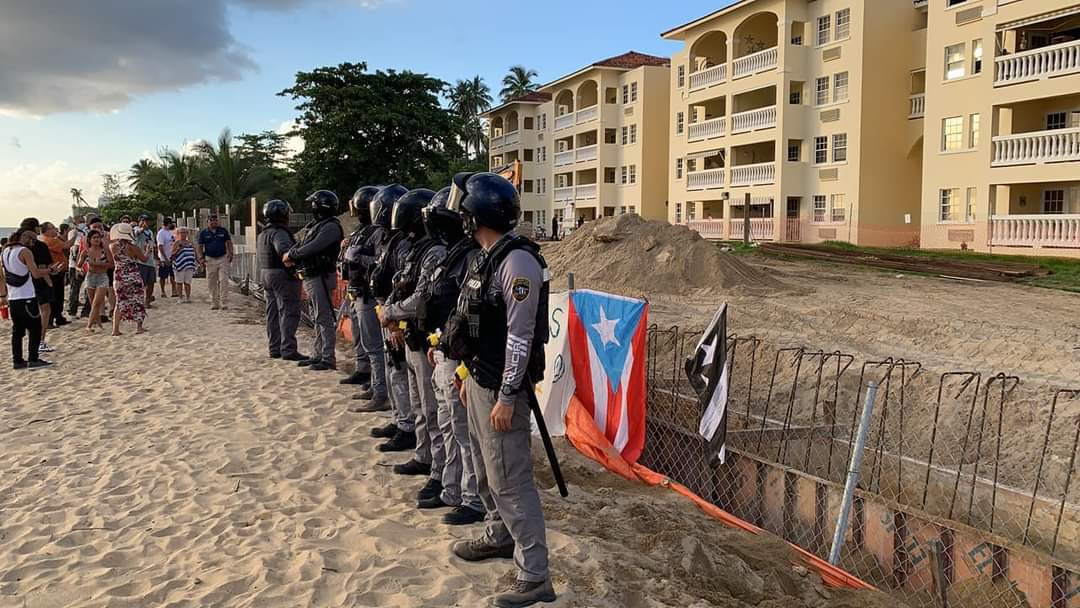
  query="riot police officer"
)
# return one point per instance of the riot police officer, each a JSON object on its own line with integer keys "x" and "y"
{"x": 498, "y": 330}
{"x": 280, "y": 283}
{"x": 354, "y": 264}
{"x": 317, "y": 256}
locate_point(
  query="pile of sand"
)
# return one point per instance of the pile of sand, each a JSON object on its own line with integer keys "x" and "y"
{"x": 630, "y": 254}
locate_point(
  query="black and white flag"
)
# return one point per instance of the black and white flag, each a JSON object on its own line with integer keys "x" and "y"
{"x": 707, "y": 371}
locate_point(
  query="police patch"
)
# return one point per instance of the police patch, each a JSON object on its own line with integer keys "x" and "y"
{"x": 520, "y": 288}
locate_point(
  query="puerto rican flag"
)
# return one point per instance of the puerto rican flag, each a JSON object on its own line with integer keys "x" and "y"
{"x": 607, "y": 347}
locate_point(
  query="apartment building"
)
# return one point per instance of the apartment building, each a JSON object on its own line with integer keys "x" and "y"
{"x": 796, "y": 112}
{"x": 517, "y": 131}
{"x": 999, "y": 96}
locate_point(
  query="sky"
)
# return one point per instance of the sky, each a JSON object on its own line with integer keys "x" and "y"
{"x": 90, "y": 87}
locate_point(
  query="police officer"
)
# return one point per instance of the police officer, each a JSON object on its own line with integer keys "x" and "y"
{"x": 317, "y": 256}
{"x": 439, "y": 298}
{"x": 499, "y": 329}
{"x": 359, "y": 259}
{"x": 280, "y": 283}
{"x": 361, "y": 374}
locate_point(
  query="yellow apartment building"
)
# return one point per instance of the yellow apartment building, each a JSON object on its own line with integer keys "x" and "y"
{"x": 800, "y": 107}
{"x": 1001, "y": 169}
{"x": 517, "y": 131}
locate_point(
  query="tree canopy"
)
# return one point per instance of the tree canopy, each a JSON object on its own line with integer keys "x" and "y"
{"x": 517, "y": 82}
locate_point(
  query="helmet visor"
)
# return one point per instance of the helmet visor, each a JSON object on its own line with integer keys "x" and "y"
{"x": 456, "y": 196}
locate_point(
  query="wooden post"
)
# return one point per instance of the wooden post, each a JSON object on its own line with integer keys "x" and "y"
{"x": 746, "y": 220}
{"x": 941, "y": 585}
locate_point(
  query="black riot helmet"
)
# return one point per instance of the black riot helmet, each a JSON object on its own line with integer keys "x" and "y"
{"x": 324, "y": 204}
{"x": 360, "y": 203}
{"x": 489, "y": 200}
{"x": 440, "y": 221}
{"x": 277, "y": 212}
{"x": 382, "y": 206}
{"x": 408, "y": 211}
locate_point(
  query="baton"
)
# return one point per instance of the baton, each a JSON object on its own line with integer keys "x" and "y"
{"x": 548, "y": 446}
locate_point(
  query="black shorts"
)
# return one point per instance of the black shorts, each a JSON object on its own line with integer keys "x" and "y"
{"x": 148, "y": 274}
{"x": 165, "y": 271}
{"x": 44, "y": 292}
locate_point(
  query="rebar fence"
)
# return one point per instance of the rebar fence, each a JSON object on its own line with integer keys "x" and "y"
{"x": 967, "y": 493}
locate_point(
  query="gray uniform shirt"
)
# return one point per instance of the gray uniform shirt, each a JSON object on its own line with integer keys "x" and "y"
{"x": 316, "y": 240}
{"x": 518, "y": 281}
{"x": 397, "y": 258}
{"x": 406, "y": 309}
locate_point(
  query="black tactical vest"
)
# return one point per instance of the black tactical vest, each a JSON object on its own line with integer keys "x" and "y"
{"x": 355, "y": 273}
{"x": 269, "y": 258}
{"x": 445, "y": 286}
{"x": 382, "y": 276}
{"x": 324, "y": 262}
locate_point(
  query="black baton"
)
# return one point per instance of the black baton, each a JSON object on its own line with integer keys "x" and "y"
{"x": 548, "y": 446}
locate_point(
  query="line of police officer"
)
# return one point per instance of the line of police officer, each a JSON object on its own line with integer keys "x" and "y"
{"x": 449, "y": 314}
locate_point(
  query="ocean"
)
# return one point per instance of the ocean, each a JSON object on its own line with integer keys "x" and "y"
{"x": 4, "y": 232}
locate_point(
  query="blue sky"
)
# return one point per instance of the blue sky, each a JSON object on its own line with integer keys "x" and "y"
{"x": 42, "y": 156}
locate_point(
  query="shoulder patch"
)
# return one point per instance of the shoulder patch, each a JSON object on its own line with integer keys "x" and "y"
{"x": 520, "y": 288}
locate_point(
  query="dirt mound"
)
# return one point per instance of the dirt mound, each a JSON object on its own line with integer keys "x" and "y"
{"x": 628, "y": 253}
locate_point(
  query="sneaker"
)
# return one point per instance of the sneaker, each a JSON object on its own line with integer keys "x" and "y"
{"x": 400, "y": 442}
{"x": 355, "y": 379}
{"x": 524, "y": 593}
{"x": 432, "y": 489}
{"x": 384, "y": 432}
{"x": 435, "y": 502}
{"x": 378, "y": 404}
{"x": 478, "y": 550}
{"x": 19, "y": 365}
{"x": 275, "y": 355}
{"x": 38, "y": 363}
{"x": 463, "y": 516}
{"x": 45, "y": 348}
{"x": 308, "y": 362}
{"x": 322, "y": 366}
{"x": 62, "y": 322}
{"x": 364, "y": 395}
{"x": 295, "y": 357}
{"x": 412, "y": 468}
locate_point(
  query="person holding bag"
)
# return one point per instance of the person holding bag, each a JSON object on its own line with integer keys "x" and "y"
{"x": 17, "y": 292}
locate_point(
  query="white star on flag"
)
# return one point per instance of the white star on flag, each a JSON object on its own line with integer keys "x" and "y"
{"x": 606, "y": 329}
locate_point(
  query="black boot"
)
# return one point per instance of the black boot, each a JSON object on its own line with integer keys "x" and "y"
{"x": 355, "y": 378}
{"x": 400, "y": 442}
{"x": 295, "y": 357}
{"x": 308, "y": 362}
{"x": 463, "y": 516}
{"x": 322, "y": 366}
{"x": 413, "y": 468}
{"x": 385, "y": 432}
{"x": 431, "y": 489}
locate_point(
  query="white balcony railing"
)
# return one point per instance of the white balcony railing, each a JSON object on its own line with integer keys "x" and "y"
{"x": 587, "y": 114}
{"x": 755, "y": 63}
{"x": 1037, "y": 64}
{"x": 562, "y": 195}
{"x": 496, "y": 142}
{"x": 564, "y": 158}
{"x": 1061, "y": 231}
{"x": 585, "y": 192}
{"x": 710, "y": 229}
{"x": 707, "y": 129}
{"x": 918, "y": 106}
{"x": 1053, "y": 146}
{"x": 565, "y": 121}
{"x": 753, "y": 175}
{"x": 511, "y": 138}
{"x": 761, "y": 118}
{"x": 708, "y": 77}
{"x": 586, "y": 153}
{"x": 761, "y": 228}
{"x": 705, "y": 180}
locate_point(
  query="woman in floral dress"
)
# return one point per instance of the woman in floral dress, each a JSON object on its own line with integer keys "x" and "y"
{"x": 130, "y": 292}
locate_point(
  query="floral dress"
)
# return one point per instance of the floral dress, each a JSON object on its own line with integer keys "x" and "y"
{"x": 130, "y": 292}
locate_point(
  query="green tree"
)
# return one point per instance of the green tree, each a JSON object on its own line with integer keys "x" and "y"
{"x": 226, "y": 177}
{"x": 517, "y": 82}
{"x": 468, "y": 100}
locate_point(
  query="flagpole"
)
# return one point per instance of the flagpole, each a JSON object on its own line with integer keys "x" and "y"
{"x": 853, "y": 473}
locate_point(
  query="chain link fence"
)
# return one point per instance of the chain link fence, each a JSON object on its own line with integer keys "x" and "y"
{"x": 967, "y": 493}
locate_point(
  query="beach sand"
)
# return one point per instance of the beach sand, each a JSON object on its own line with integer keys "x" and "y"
{"x": 185, "y": 468}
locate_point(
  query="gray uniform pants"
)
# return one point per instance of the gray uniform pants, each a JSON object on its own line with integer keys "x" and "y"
{"x": 397, "y": 381}
{"x": 429, "y": 442}
{"x": 459, "y": 475}
{"x": 320, "y": 290}
{"x": 369, "y": 337}
{"x": 282, "y": 311}
{"x": 504, "y": 476}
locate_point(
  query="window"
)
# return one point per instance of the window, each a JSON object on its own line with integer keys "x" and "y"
{"x": 690, "y": 208}
{"x": 680, "y": 122}
{"x": 839, "y": 148}
{"x": 969, "y": 208}
{"x": 839, "y": 212}
{"x": 821, "y": 150}
{"x": 824, "y": 29}
{"x": 973, "y": 128}
{"x": 949, "y": 205}
{"x": 822, "y": 91}
{"x": 691, "y": 165}
{"x": 541, "y": 122}
{"x": 541, "y": 218}
{"x": 633, "y": 134}
{"x": 840, "y": 87}
{"x": 528, "y": 123}
{"x": 543, "y": 154}
{"x": 633, "y": 174}
{"x": 625, "y": 175}
{"x": 633, "y": 92}
{"x": 542, "y": 186}
{"x": 678, "y": 213}
{"x": 678, "y": 168}
{"x": 843, "y": 23}
{"x": 794, "y": 150}
{"x": 625, "y": 135}
{"x": 527, "y": 185}
{"x": 1056, "y": 120}
{"x": 681, "y": 77}
{"x": 1054, "y": 201}
{"x": 976, "y": 56}
{"x": 609, "y": 175}
{"x": 626, "y": 93}
{"x": 819, "y": 207}
{"x": 795, "y": 94}
{"x": 954, "y": 62}
{"x": 610, "y": 136}
{"x": 528, "y": 155}
{"x": 952, "y": 133}
{"x": 954, "y": 2}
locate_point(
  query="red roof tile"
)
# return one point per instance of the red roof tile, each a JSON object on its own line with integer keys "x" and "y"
{"x": 534, "y": 96}
{"x": 633, "y": 59}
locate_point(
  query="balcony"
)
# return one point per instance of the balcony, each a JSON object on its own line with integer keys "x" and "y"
{"x": 511, "y": 138}
{"x": 563, "y": 195}
{"x": 918, "y": 106}
{"x": 755, "y": 63}
{"x": 705, "y": 180}
{"x": 753, "y": 175}
{"x": 586, "y": 153}
{"x": 761, "y": 228}
{"x": 1036, "y": 231}
{"x": 564, "y": 158}
{"x": 496, "y": 141}
{"x": 585, "y": 192}
{"x": 1037, "y": 64}
{"x": 708, "y": 77}
{"x": 753, "y": 120}
{"x": 564, "y": 122}
{"x": 587, "y": 114}
{"x": 708, "y": 129}
{"x": 1038, "y": 147}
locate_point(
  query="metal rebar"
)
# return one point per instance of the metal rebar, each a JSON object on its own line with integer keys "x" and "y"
{"x": 1065, "y": 493}
{"x": 1042, "y": 456}
{"x": 934, "y": 429}
{"x": 853, "y": 474}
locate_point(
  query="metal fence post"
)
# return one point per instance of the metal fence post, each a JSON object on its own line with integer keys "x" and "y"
{"x": 853, "y": 473}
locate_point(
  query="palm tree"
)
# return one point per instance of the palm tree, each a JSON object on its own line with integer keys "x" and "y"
{"x": 77, "y": 197}
{"x": 517, "y": 82}
{"x": 226, "y": 177}
{"x": 143, "y": 175}
{"x": 468, "y": 100}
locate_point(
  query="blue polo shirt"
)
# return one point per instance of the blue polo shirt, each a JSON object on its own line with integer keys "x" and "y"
{"x": 213, "y": 242}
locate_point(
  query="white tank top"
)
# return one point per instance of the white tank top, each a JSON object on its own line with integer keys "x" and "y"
{"x": 13, "y": 265}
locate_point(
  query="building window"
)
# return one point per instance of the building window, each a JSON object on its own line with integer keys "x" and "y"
{"x": 973, "y": 135}
{"x": 633, "y": 92}
{"x": 528, "y": 152}
{"x": 633, "y": 174}
{"x": 795, "y": 93}
{"x": 542, "y": 187}
{"x": 680, "y": 122}
{"x": 528, "y": 123}
{"x": 954, "y": 62}
{"x": 541, "y": 218}
{"x": 543, "y": 121}
{"x": 681, "y": 77}
{"x": 691, "y": 165}
{"x": 824, "y": 29}
{"x": 821, "y": 150}
{"x": 1054, "y": 201}
{"x": 625, "y": 135}
{"x": 794, "y": 150}
{"x": 610, "y": 136}
{"x": 678, "y": 213}
{"x": 949, "y": 205}
{"x": 969, "y": 208}
{"x": 952, "y": 133}
{"x": 624, "y": 170}
{"x": 954, "y": 2}
{"x": 840, "y": 87}
{"x": 1056, "y": 120}
{"x": 843, "y": 23}
{"x": 678, "y": 168}
{"x": 690, "y": 211}
{"x": 633, "y": 134}
{"x": 822, "y": 91}
{"x": 626, "y": 93}
{"x": 838, "y": 211}
{"x": 820, "y": 207}
{"x": 839, "y": 148}
{"x": 527, "y": 185}
{"x": 609, "y": 175}
{"x": 976, "y": 56}
{"x": 543, "y": 154}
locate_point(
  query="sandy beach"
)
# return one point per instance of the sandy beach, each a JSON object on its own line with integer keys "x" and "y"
{"x": 184, "y": 468}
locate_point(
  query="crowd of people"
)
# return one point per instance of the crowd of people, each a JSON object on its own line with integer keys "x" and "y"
{"x": 449, "y": 320}
{"x": 110, "y": 271}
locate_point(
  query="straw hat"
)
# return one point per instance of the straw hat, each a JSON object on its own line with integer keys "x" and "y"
{"x": 122, "y": 232}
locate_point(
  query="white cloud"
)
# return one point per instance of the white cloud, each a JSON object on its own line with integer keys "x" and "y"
{"x": 43, "y": 191}
{"x": 295, "y": 144}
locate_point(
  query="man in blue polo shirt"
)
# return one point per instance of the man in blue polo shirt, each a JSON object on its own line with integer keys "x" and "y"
{"x": 215, "y": 250}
